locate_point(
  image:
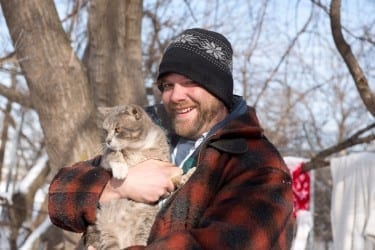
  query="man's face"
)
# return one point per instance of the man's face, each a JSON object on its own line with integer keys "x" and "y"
{"x": 192, "y": 109}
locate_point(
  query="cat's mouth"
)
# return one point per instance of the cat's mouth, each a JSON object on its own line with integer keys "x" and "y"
{"x": 113, "y": 148}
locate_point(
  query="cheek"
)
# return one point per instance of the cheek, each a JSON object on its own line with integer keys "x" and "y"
{"x": 165, "y": 96}
{"x": 166, "y": 100}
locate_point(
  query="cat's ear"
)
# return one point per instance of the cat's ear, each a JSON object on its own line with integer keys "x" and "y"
{"x": 136, "y": 112}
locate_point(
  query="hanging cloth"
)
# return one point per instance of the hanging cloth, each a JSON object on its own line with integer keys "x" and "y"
{"x": 353, "y": 202}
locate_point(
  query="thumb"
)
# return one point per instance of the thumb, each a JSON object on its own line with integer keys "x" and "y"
{"x": 176, "y": 176}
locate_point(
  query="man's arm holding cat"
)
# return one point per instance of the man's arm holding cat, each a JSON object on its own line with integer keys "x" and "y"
{"x": 145, "y": 183}
{"x": 76, "y": 191}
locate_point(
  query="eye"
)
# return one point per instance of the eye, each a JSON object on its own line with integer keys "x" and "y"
{"x": 189, "y": 83}
{"x": 117, "y": 130}
{"x": 165, "y": 86}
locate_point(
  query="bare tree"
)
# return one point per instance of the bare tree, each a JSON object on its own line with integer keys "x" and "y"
{"x": 351, "y": 62}
{"x": 65, "y": 90}
{"x": 52, "y": 71}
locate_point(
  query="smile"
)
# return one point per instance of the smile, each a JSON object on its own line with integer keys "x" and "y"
{"x": 183, "y": 111}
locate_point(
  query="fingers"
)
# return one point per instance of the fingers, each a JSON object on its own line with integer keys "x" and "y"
{"x": 166, "y": 195}
{"x": 176, "y": 180}
{"x": 176, "y": 171}
{"x": 171, "y": 187}
{"x": 148, "y": 181}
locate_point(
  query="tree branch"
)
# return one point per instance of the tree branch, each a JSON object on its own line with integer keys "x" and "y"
{"x": 16, "y": 96}
{"x": 283, "y": 57}
{"x": 345, "y": 51}
{"x": 318, "y": 161}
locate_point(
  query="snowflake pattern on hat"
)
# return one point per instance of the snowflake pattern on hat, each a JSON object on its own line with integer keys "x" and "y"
{"x": 214, "y": 50}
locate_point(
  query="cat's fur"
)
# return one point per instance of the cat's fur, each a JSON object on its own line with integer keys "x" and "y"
{"x": 131, "y": 138}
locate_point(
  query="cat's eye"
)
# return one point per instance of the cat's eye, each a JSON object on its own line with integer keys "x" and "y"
{"x": 117, "y": 130}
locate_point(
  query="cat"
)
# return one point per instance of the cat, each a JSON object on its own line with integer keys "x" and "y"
{"x": 131, "y": 138}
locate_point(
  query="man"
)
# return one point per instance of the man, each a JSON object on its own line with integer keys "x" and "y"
{"x": 240, "y": 196}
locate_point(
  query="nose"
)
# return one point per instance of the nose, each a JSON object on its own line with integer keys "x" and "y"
{"x": 108, "y": 140}
{"x": 178, "y": 93}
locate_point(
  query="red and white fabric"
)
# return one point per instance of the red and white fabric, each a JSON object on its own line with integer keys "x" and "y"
{"x": 301, "y": 196}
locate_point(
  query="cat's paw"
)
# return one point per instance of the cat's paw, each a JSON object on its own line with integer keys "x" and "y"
{"x": 119, "y": 169}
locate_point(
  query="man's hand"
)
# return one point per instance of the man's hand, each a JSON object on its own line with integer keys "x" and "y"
{"x": 146, "y": 182}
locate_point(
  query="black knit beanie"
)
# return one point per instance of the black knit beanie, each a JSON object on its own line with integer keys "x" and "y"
{"x": 205, "y": 57}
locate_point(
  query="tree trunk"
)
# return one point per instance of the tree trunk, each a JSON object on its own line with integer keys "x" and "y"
{"x": 63, "y": 91}
{"x": 114, "y": 56}
{"x": 58, "y": 85}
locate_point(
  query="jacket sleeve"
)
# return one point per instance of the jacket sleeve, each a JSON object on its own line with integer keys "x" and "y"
{"x": 74, "y": 194}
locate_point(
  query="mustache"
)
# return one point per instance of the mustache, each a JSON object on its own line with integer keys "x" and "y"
{"x": 180, "y": 105}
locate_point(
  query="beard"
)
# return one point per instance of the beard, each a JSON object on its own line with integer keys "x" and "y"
{"x": 204, "y": 119}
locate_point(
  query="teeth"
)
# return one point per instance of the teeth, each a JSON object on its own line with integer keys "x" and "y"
{"x": 182, "y": 111}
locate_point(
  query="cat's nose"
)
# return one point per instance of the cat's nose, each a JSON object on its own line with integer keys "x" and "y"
{"x": 108, "y": 141}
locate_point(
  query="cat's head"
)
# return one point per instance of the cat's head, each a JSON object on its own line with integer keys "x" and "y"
{"x": 125, "y": 126}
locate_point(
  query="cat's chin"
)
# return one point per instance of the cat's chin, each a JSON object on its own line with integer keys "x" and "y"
{"x": 112, "y": 148}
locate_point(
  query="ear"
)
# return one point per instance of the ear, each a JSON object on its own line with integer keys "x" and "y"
{"x": 136, "y": 112}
